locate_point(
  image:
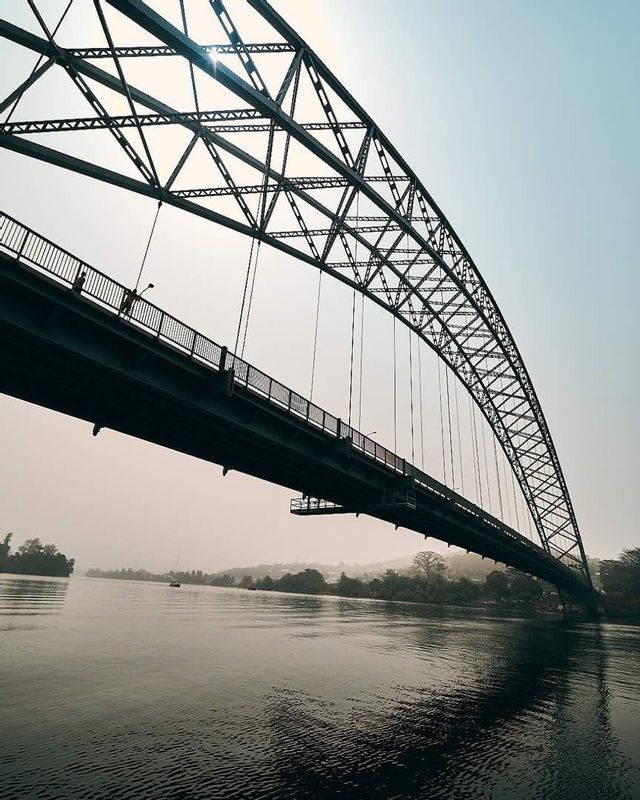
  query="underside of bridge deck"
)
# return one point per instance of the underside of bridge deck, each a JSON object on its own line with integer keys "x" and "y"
{"x": 64, "y": 352}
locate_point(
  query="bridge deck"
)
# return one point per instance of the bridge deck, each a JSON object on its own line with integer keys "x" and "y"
{"x": 149, "y": 375}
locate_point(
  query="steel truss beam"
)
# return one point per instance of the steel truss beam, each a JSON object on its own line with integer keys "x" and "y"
{"x": 437, "y": 292}
{"x": 296, "y": 184}
{"x": 146, "y": 52}
{"x": 129, "y": 121}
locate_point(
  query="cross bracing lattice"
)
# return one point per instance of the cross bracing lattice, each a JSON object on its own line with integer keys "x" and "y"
{"x": 300, "y": 165}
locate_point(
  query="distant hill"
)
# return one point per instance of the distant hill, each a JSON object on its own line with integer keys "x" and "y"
{"x": 470, "y": 565}
{"x": 459, "y": 564}
{"x": 330, "y": 571}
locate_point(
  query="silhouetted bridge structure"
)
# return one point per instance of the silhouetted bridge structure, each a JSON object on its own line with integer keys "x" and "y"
{"x": 149, "y": 375}
{"x": 330, "y": 190}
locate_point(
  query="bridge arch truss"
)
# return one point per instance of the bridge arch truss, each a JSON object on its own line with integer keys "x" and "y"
{"x": 301, "y": 166}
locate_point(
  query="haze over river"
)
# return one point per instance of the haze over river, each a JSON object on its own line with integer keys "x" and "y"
{"x": 114, "y": 689}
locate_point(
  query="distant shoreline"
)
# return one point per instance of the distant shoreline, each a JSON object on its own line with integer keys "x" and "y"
{"x": 528, "y": 610}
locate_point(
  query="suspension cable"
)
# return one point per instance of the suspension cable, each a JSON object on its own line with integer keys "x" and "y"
{"x": 509, "y": 516}
{"x": 473, "y": 449}
{"x": 315, "y": 335}
{"x": 515, "y": 501}
{"x": 523, "y": 509}
{"x": 249, "y": 305}
{"x": 453, "y": 471}
{"x": 25, "y": 85}
{"x": 486, "y": 466}
{"x": 262, "y": 224}
{"x": 353, "y": 333}
{"x": 495, "y": 453}
{"x": 473, "y": 453}
{"x": 529, "y": 520}
{"x": 510, "y": 496}
{"x": 125, "y": 87}
{"x": 528, "y": 517}
{"x": 523, "y": 512}
{"x": 264, "y": 215}
{"x": 413, "y": 448}
{"x": 362, "y": 307}
{"x": 455, "y": 397}
{"x": 244, "y": 295}
{"x": 444, "y": 460}
{"x": 421, "y": 406}
{"x": 476, "y": 448}
{"x": 395, "y": 392}
{"x": 361, "y": 329}
{"x": 146, "y": 250}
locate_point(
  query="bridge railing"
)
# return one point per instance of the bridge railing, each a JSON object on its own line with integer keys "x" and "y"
{"x": 38, "y": 252}
{"x": 307, "y": 504}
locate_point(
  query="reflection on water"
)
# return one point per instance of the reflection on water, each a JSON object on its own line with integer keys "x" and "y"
{"x": 31, "y": 595}
{"x": 136, "y": 690}
{"x": 519, "y": 711}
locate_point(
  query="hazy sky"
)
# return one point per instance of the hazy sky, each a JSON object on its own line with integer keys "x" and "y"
{"x": 523, "y": 121}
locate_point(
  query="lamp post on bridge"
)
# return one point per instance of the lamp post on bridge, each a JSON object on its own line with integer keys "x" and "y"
{"x": 150, "y": 286}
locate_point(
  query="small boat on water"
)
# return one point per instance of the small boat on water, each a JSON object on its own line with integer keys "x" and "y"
{"x": 175, "y": 583}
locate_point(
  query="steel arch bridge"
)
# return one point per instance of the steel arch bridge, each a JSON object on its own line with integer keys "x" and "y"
{"x": 299, "y": 165}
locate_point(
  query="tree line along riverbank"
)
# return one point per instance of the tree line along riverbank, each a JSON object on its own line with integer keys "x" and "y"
{"x": 426, "y": 581}
{"x": 34, "y": 558}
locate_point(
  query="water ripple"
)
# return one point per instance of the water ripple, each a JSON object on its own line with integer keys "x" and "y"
{"x": 122, "y": 690}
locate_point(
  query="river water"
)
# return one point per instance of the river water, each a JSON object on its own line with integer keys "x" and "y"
{"x": 114, "y": 689}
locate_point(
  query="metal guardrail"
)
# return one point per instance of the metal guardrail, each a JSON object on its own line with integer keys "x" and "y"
{"x": 300, "y": 504}
{"x": 390, "y": 499}
{"x": 34, "y": 250}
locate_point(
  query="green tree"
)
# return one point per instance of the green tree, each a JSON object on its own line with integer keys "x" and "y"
{"x": 522, "y": 587}
{"x": 31, "y": 547}
{"x": 223, "y": 580}
{"x": 34, "y": 558}
{"x": 350, "y": 587}
{"x": 308, "y": 582}
{"x": 463, "y": 591}
{"x": 496, "y": 586}
{"x": 394, "y": 586}
{"x": 630, "y": 560}
{"x": 245, "y": 582}
{"x": 5, "y": 547}
{"x": 621, "y": 582}
{"x": 428, "y": 563}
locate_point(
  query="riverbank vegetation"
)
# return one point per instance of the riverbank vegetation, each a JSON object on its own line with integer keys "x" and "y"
{"x": 425, "y": 581}
{"x": 461, "y": 579}
{"x": 34, "y": 558}
{"x": 196, "y": 577}
{"x": 620, "y": 581}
